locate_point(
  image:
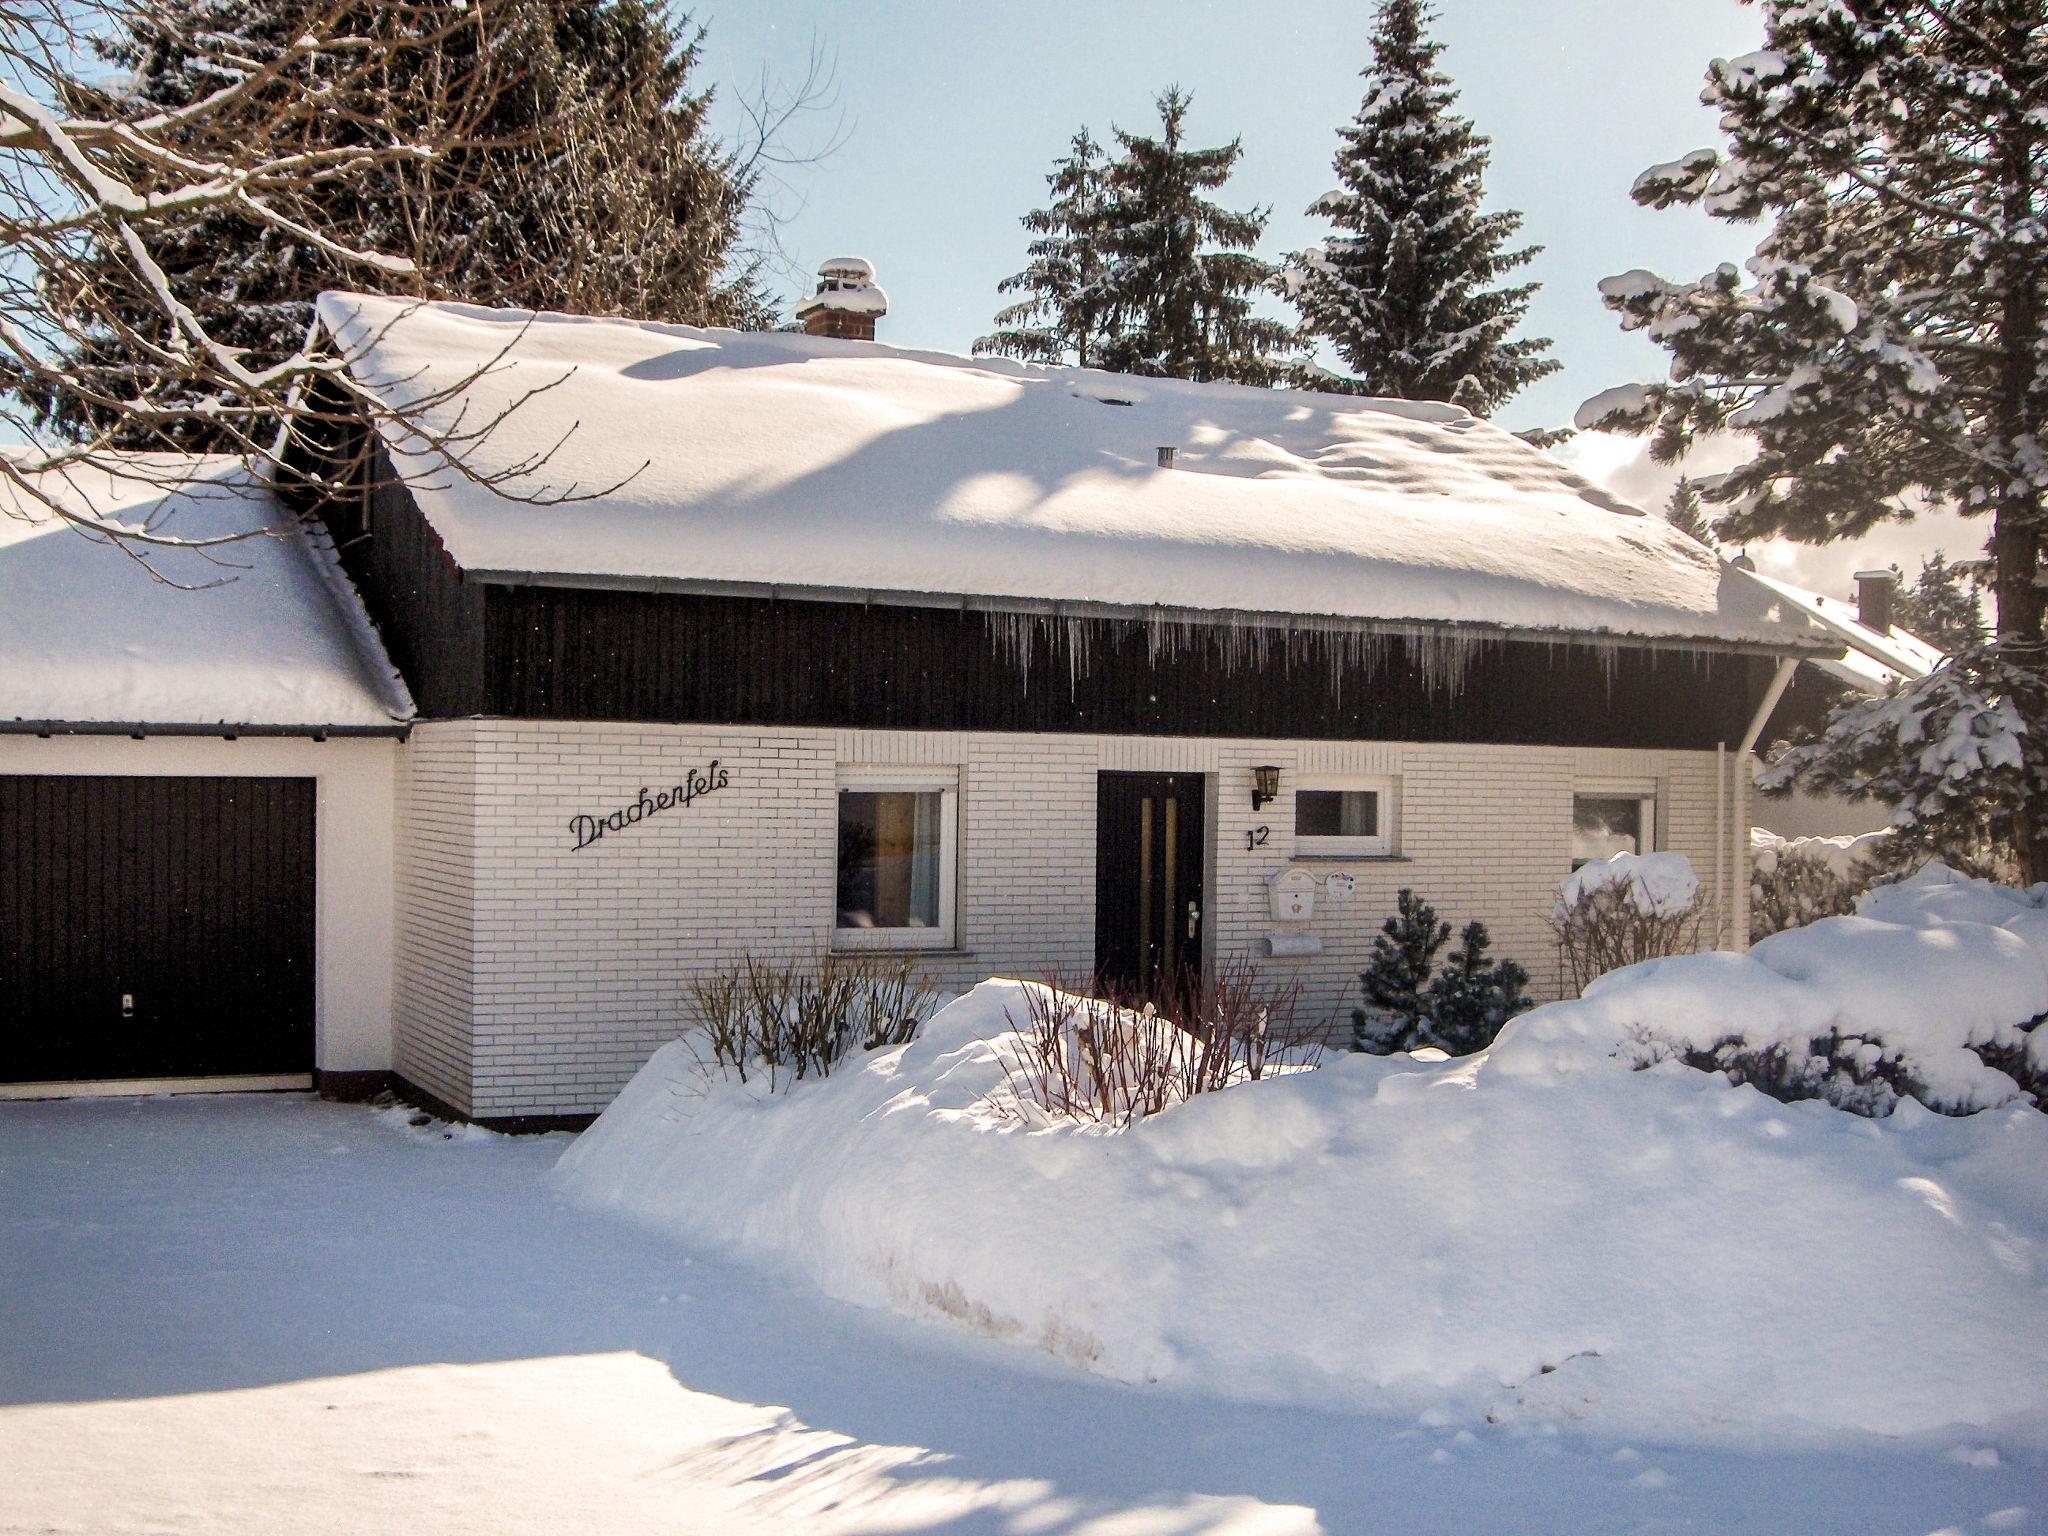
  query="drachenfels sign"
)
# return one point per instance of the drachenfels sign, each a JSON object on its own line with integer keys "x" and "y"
{"x": 650, "y": 802}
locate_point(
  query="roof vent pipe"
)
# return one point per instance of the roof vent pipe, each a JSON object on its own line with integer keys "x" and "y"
{"x": 1165, "y": 456}
{"x": 1874, "y": 591}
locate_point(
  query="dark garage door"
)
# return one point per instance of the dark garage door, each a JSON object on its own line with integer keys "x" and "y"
{"x": 155, "y": 927}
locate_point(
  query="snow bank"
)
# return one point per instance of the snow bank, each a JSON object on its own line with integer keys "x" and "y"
{"x": 1659, "y": 884}
{"x": 1535, "y": 1232}
{"x": 860, "y": 468}
{"x": 1848, "y": 856}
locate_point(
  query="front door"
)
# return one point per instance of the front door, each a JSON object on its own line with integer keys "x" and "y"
{"x": 1148, "y": 880}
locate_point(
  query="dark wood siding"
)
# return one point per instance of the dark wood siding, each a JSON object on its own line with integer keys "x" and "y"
{"x": 191, "y": 896}
{"x": 600, "y": 655}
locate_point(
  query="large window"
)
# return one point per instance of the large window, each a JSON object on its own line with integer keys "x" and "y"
{"x": 1604, "y": 825}
{"x": 898, "y": 833}
{"x": 1344, "y": 816}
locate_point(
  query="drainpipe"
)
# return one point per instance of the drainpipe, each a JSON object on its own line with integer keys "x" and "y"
{"x": 1739, "y": 795}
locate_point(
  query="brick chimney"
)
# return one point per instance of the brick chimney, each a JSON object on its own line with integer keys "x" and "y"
{"x": 847, "y": 303}
{"x": 1874, "y": 591}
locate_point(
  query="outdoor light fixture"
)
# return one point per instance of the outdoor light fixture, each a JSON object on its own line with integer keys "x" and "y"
{"x": 1265, "y": 785}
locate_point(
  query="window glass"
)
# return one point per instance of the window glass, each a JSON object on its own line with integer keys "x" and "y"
{"x": 1337, "y": 813}
{"x": 890, "y": 847}
{"x": 1604, "y": 825}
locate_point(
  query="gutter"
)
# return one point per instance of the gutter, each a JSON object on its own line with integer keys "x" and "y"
{"x": 398, "y": 729}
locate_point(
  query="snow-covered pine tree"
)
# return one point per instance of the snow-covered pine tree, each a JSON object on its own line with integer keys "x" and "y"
{"x": 1890, "y": 336}
{"x": 590, "y": 185}
{"x": 1683, "y": 512}
{"x": 1396, "y": 978}
{"x": 1183, "y": 273}
{"x": 1066, "y": 304}
{"x": 1470, "y": 1000}
{"x": 1942, "y": 604}
{"x": 1405, "y": 289}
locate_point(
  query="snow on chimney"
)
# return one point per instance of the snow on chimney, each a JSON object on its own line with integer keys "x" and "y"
{"x": 1874, "y": 591}
{"x": 848, "y": 301}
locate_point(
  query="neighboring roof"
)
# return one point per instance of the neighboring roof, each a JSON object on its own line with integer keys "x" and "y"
{"x": 1874, "y": 661}
{"x": 777, "y": 460}
{"x": 89, "y": 637}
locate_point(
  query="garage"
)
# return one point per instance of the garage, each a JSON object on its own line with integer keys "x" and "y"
{"x": 155, "y": 927}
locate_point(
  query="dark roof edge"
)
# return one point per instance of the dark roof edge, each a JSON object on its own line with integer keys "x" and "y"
{"x": 398, "y": 729}
{"x": 1066, "y": 608}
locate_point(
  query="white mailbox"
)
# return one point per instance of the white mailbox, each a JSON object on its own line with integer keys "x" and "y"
{"x": 1294, "y": 895}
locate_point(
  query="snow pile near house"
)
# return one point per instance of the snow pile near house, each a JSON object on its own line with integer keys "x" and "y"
{"x": 1849, "y": 856}
{"x": 260, "y": 630}
{"x": 1538, "y": 1232}
{"x": 1656, "y": 884}
{"x": 719, "y": 456}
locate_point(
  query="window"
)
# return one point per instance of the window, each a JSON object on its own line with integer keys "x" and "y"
{"x": 1346, "y": 816}
{"x": 1604, "y": 825}
{"x": 898, "y": 835}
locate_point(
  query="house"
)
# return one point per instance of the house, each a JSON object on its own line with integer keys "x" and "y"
{"x": 1877, "y": 656}
{"x": 730, "y": 643}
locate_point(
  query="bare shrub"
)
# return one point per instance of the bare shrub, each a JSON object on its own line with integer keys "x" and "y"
{"x": 784, "y": 1020}
{"x": 1106, "y": 1057}
{"x": 1605, "y": 927}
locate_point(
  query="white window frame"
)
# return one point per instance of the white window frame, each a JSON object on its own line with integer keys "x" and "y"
{"x": 867, "y": 780}
{"x": 1645, "y": 796}
{"x": 1384, "y": 844}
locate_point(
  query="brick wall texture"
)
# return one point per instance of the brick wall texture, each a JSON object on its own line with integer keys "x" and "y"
{"x": 534, "y": 977}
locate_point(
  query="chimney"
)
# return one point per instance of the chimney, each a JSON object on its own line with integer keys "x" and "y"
{"x": 1874, "y": 591}
{"x": 847, "y": 303}
{"x": 1165, "y": 456}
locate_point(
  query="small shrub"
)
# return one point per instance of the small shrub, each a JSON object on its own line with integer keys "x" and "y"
{"x": 1608, "y": 916}
{"x": 1103, "y": 1057}
{"x": 783, "y": 1021}
{"x": 1459, "y": 1011}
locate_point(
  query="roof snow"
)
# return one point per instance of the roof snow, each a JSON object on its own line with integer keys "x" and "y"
{"x": 777, "y": 460}
{"x": 89, "y": 636}
{"x": 1874, "y": 661}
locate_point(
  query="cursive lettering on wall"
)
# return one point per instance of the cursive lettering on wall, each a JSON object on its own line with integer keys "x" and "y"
{"x": 587, "y": 829}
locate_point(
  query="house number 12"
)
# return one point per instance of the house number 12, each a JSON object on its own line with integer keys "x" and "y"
{"x": 1256, "y": 837}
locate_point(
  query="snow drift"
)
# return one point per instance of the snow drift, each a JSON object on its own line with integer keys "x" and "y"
{"x": 1543, "y": 1230}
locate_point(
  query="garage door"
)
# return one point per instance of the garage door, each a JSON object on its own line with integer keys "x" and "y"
{"x": 155, "y": 927}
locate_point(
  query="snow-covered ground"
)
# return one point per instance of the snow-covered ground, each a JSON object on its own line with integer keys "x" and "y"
{"x": 271, "y": 1314}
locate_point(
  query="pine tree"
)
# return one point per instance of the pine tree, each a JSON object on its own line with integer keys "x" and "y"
{"x": 593, "y": 185}
{"x": 1405, "y": 289}
{"x": 1182, "y": 272}
{"x": 1066, "y": 307}
{"x": 1396, "y": 978}
{"x": 1469, "y": 1000}
{"x": 1889, "y": 336}
{"x": 1943, "y": 605}
{"x": 1683, "y": 512}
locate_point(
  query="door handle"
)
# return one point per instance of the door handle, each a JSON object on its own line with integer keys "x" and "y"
{"x": 1194, "y": 916}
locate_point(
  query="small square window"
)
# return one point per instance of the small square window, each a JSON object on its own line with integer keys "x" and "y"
{"x": 1604, "y": 825}
{"x": 1344, "y": 817}
{"x": 896, "y": 859}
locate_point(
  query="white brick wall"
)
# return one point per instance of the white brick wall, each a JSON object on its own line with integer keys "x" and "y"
{"x": 535, "y": 978}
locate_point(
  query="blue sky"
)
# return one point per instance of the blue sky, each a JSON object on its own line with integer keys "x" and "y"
{"x": 951, "y": 114}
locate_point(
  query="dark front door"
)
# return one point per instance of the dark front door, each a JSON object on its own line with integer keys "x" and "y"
{"x": 1148, "y": 879}
{"x": 155, "y": 927}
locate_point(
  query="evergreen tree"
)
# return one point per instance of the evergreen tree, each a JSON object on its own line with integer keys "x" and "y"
{"x": 1470, "y": 1000}
{"x": 1396, "y": 978}
{"x": 1942, "y": 605}
{"x": 1066, "y": 308}
{"x": 1683, "y": 512}
{"x": 1405, "y": 289}
{"x": 592, "y": 185}
{"x": 1889, "y": 338}
{"x": 1182, "y": 272}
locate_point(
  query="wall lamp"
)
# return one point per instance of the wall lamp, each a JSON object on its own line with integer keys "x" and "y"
{"x": 1265, "y": 785}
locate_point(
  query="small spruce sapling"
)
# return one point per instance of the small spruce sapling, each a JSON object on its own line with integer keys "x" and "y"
{"x": 1470, "y": 1000}
{"x": 1396, "y": 979}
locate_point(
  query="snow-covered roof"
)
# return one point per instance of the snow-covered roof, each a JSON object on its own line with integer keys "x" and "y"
{"x": 776, "y": 460}
{"x": 1873, "y": 661}
{"x": 89, "y": 637}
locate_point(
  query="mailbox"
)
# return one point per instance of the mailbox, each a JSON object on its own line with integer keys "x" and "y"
{"x": 1294, "y": 895}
